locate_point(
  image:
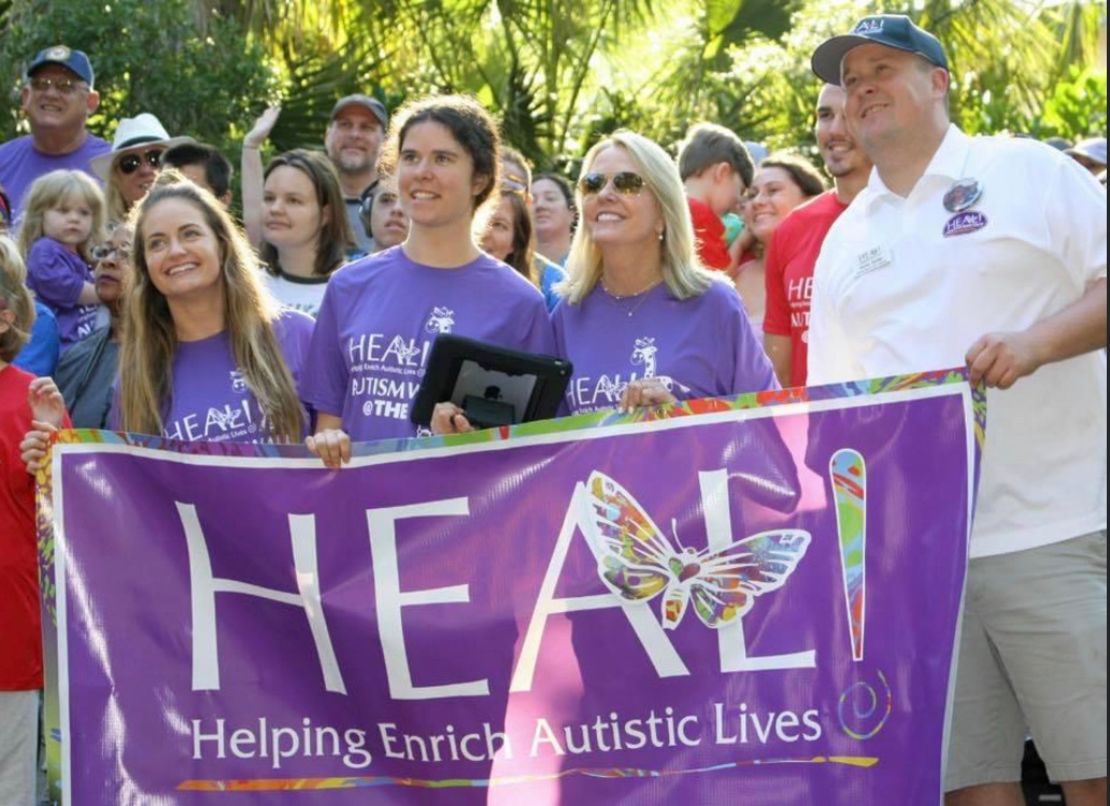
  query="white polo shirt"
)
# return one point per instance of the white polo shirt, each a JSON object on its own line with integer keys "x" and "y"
{"x": 894, "y": 294}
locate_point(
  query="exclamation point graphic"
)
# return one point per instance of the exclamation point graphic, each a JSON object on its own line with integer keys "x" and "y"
{"x": 849, "y": 479}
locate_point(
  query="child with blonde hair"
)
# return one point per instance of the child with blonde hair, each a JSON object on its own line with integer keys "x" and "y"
{"x": 63, "y": 220}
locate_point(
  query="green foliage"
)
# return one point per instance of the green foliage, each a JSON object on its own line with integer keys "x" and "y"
{"x": 202, "y": 78}
{"x": 558, "y": 75}
{"x": 1077, "y": 108}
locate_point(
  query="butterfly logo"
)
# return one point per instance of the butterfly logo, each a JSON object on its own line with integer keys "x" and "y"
{"x": 637, "y": 562}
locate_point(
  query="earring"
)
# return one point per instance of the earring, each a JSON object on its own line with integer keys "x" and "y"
{"x": 661, "y": 234}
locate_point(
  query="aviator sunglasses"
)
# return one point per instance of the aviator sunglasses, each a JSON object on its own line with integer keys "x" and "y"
{"x": 129, "y": 163}
{"x": 625, "y": 182}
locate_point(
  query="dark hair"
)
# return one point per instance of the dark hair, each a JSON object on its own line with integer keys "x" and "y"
{"x": 469, "y": 123}
{"x": 707, "y": 144}
{"x": 801, "y": 170}
{"x": 522, "y": 258}
{"x": 335, "y": 236}
{"x": 564, "y": 188}
{"x": 366, "y": 204}
{"x": 217, "y": 167}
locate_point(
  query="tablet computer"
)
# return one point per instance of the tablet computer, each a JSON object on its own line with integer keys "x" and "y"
{"x": 494, "y": 386}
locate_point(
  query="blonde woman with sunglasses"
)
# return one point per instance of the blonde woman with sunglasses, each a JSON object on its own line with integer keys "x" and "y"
{"x": 642, "y": 321}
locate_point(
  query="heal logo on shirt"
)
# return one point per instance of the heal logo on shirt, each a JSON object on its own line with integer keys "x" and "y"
{"x": 441, "y": 321}
{"x": 587, "y": 393}
{"x": 385, "y": 369}
{"x": 235, "y": 420}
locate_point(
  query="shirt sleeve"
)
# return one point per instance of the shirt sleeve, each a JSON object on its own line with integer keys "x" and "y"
{"x": 53, "y": 278}
{"x": 1075, "y": 208}
{"x": 776, "y": 316}
{"x": 538, "y": 335}
{"x": 751, "y": 370}
{"x": 40, "y": 355}
{"x": 326, "y": 376}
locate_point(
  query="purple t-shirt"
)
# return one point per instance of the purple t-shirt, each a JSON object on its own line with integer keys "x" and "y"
{"x": 700, "y": 347}
{"x": 57, "y": 276}
{"x": 21, "y": 164}
{"x": 210, "y": 399}
{"x": 376, "y": 326}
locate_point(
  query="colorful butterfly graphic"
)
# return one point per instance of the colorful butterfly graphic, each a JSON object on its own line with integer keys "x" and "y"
{"x": 637, "y": 562}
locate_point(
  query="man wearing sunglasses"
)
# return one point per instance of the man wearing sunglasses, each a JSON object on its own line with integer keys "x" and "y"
{"x": 57, "y": 98}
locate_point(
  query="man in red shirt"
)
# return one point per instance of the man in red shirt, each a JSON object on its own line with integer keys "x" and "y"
{"x": 794, "y": 247}
{"x": 716, "y": 169}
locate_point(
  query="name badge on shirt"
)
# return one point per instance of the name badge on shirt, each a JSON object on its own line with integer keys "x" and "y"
{"x": 875, "y": 258}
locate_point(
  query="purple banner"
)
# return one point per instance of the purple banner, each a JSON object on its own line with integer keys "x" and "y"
{"x": 742, "y": 606}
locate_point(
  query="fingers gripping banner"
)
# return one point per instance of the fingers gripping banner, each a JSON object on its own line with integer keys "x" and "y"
{"x": 724, "y": 601}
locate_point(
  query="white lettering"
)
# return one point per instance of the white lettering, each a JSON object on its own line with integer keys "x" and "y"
{"x": 389, "y": 599}
{"x": 204, "y": 587}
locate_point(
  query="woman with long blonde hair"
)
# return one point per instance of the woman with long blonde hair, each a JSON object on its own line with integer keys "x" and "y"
{"x": 198, "y": 306}
{"x": 641, "y": 320}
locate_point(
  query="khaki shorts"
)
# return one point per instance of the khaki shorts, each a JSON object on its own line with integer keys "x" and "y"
{"x": 19, "y": 744}
{"x": 1032, "y": 661}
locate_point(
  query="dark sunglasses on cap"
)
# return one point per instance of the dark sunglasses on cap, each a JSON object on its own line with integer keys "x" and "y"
{"x": 129, "y": 163}
{"x": 626, "y": 183}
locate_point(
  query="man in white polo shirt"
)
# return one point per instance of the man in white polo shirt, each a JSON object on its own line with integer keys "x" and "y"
{"x": 989, "y": 251}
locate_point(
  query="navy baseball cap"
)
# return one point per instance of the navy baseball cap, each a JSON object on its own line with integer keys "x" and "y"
{"x": 893, "y": 30}
{"x": 73, "y": 60}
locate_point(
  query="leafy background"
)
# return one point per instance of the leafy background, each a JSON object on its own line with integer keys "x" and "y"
{"x": 558, "y": 75}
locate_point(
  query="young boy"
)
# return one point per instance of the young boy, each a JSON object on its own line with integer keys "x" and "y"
{"x": 716, "y": 169}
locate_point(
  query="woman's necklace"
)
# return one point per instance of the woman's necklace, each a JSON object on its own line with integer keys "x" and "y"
{"x": 640, "y": 296}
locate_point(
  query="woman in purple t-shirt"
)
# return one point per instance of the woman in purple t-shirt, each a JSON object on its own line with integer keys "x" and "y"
{"x": 198, "y": 306}
{"x": 381, "y": 315}
{"x": 641, "y": 320}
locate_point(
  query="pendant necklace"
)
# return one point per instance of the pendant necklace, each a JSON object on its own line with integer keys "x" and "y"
{"x": 640, "y": 296}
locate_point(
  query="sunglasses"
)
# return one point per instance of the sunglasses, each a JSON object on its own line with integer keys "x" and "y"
{"x": 5, "y": 211}
{"x": 626, "y": 183}
{"x": 66, "y": 86}
{"x": 129, "y": 163}
{"x": 104, "y": 251}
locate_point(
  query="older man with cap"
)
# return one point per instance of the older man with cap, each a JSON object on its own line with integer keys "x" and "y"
{"x": 57, "y": 97}
{"x": 352, "y": 141}
{"x": 989, "y": 251}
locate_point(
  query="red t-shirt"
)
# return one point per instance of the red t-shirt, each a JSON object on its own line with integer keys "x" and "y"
{"x": 20, "y": 634}
{"x": 789, "y": 263}
{"x": 710, "y": 233}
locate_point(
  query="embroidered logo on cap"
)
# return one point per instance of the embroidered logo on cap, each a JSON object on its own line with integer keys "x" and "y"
{"x": 963, "y": 223}
{"x": 870, "y": 25}
{"x": 59, "y": 52}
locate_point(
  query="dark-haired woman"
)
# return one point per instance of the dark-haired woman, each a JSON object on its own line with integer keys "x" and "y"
{"x": 381, "y": 315}
{"x": 781, "y": 183}
{"x": 554, "y": 212}
{"x": 509, "y": 237}
{"x": 305, "y": 232}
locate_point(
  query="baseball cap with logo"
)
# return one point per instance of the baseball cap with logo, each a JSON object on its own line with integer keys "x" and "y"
{"x": 892, "y": 30}
{"x": 73, "y": 60}
{"x": 373, "y": 105}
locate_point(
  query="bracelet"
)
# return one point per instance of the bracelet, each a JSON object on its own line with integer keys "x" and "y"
{"x": 249, "y": 147}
